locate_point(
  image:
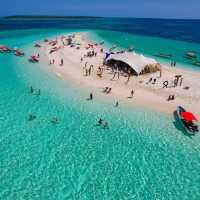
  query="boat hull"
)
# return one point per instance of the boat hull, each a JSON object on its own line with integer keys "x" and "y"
{"x": 181, "y": 121}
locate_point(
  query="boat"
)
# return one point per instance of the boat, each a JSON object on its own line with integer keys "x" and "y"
{"x": 37, "y": 45}
{"x": 190, "y": 55}
{"x": 163, "y": 55}
{"x": 4, "y": 49}
{"x": 187, "y": 120}
{"x": 196, "y": 63}
{"x": 33, "y": 59}
{"x": 19, "y": 53}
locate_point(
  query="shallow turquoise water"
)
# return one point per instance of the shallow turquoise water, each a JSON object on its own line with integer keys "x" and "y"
{"x": 141, "y": 156}
{"x": 151, "y": 46}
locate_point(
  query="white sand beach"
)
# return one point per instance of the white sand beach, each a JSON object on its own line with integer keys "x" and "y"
{"x": 145, "y": 94}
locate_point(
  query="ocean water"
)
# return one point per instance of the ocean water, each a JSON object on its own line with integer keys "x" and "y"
{"x": 150, "y": 46}
{"x": 143, "y": 155}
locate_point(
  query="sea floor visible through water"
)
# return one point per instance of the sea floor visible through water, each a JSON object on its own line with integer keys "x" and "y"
{"x": 143, "y": 154}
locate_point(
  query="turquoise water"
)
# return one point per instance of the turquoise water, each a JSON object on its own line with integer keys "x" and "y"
{"x": 152, "y": 45}
{"x": 141, "y": 156}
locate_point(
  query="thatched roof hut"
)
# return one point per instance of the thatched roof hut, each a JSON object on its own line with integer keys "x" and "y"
{"x": 137, "y": 63}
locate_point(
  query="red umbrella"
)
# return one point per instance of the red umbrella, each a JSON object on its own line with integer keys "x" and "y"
{"x": 188, "y": 116}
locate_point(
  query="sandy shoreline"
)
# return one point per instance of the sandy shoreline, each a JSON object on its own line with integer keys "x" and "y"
{"x": 152, "y": 96}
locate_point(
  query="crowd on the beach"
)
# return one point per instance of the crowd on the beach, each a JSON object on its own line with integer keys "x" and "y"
{"x": 95, "y": 51}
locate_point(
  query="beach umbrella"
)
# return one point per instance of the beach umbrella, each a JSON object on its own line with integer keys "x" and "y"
{"x": 188, "y": 116}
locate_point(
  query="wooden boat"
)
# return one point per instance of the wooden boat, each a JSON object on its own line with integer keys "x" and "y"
{"x": 186, "y": 120}
{"x": 163, "y": 55}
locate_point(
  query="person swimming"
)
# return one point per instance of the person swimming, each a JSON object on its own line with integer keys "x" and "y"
{"x": 31, "y": 117}
{"x": 31, "y": 90}
{"x": 117, "y": 104}
{"x": 55, "y": 120}
{"x": 100, "y": 122}
{"x": 90, "y": 97}
{"x": 105, "y": 125}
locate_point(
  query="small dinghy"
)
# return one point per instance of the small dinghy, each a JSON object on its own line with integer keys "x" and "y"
{"x": 187, "y": 120}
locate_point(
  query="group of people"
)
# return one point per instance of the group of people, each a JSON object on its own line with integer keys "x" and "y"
{"x": 152, "y": 81}
{"x": 171, "y": 97}
{"x": 173, "y": 64}
{"x": 91, "y": 54}
{"x": 52, "y": 62}
{"x": 103, "y": 124}
{"x": 100, "y": 71}
{"x": 107, "y": 90}
{"x": 88, "y": 70}
{"x": 32, "y": 117}
{"x": 32, "y": 90}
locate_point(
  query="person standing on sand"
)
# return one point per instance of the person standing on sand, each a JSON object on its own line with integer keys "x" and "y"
{"x": 117, "y": 104}
{"x": 61, "y": 62}
{"x": 53, "y": 61}
{"x": 85, "y": 64}
{"x": 90, "y": 69}
{"x": 91, "y": 96}
{"x": 129, "y": 76}
{"x": 160, "y": 73}
{"x": 174, "y": 63}
{"x": 86, "y": 72}
{"x": 132, "y": 93}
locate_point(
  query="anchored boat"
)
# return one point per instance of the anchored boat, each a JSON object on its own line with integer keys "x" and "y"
{"x": 33, "y": 59}
{"x": 190, "y": 55}
{"x": 187, "y": 120}
{"x": 163, "y": 55}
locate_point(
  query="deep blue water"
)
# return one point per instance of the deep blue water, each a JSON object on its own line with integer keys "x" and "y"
{"x": 183, "y": 30}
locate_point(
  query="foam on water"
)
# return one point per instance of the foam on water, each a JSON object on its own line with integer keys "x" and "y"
{"x": 141, "y": 156}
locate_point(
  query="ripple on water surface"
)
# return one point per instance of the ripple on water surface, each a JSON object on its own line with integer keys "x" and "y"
{"x": 140, "y": 156}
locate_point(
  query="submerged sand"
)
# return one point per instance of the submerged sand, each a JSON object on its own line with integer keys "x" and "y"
{"x": 150, "y": 95}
